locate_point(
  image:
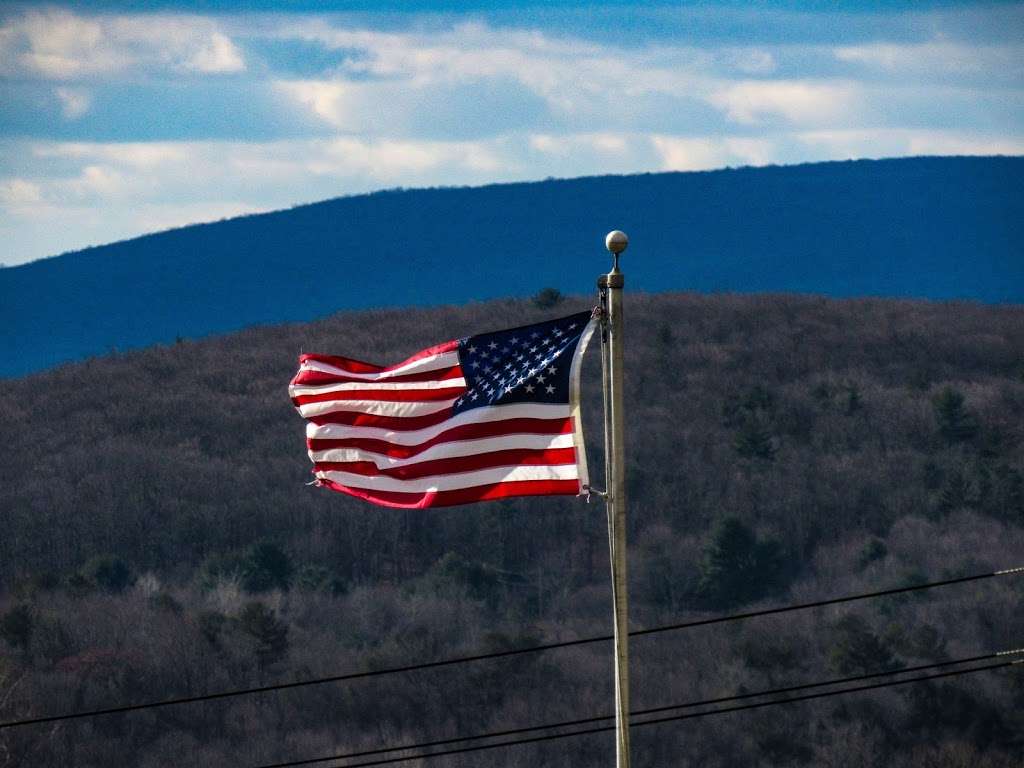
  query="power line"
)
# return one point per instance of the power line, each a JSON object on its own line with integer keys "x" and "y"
{"x": 501, "y": 654}
{"x": 655, "y": 721}
{"x": 654, "y": 710}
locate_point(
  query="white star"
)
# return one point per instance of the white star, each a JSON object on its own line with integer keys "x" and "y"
{"x": 533, "y": 349}
{"x": 557, "y": 332}
{"x": 521, "y": 380}
{"x": 572, "y": 326}
{"x": 472, "y": 350}
{"x": 541, "y": 379}
{"x": 475, "y": 394}
{"x": 535, "y": 335}
{"x": 552, "y": 370}
{"x": 493, "y": 345}
{"x": 550, "y": 389}
{"x": 529, "y": 387}
{"x": 475, "y": 364}
{"x": 532, "y": 372}
{"x": 513, "y": 340}
{"x": 508, "y": 389}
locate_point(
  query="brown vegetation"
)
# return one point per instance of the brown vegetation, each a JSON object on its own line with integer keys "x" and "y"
{"x": 157, "y": 540}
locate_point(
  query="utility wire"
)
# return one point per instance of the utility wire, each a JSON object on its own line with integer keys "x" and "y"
{"x": 653, "y": 710}
{"x": 503, "y": 654}
{"x": 655, "y": 721}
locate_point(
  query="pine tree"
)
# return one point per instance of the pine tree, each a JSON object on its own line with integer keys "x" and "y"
{"x": 856, "y": 649}
{"x": 736, "y": 568}
{"x": 266, "y": 567}
{"x": 269, "y": 632}
{"x": 754, "y": 441}
{"x": 956, "y": 423}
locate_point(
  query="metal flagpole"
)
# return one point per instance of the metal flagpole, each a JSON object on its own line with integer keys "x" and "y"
{"x": 610, "y": 290}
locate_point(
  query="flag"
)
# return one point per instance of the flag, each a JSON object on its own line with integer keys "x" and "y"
{"x": 482, "y": 417}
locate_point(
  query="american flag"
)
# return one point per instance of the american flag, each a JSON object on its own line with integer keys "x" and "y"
{"x": 483, "y": 417}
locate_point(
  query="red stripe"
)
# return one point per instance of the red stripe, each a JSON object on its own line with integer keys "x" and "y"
{"x": 463, "y": 432}
{"x": 389, "y": 395}
{"x": 462, "y": 495}
{"x": 509, "y": 458}
{"x": 311, "y": 378}
{"x": 358, "y": 366}
{"x": 396, "y": 423}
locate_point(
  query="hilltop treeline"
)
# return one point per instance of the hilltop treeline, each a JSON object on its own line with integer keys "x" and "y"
{"x": 928, "y": 227}
{"x": 158, "y": 540}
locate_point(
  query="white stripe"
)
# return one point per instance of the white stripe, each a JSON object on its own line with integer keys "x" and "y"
{"x": 295, "y": 390}
{"x": 574, "y": 402}
{"x": 377, "y": 407}
{"x": 449, "y": 450}
{"x": 417, "y": 436}
{"x": 424, "y": 364}
{"x": 455, "y": 481}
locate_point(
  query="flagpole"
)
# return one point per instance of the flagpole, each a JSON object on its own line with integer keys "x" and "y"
{"x": 610, "y": 289}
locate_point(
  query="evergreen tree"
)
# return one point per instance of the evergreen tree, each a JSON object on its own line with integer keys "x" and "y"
{"x": 956, "y": 423}
{"x": 109, "y": 573}
{"x": 547, "y": 298}
{"x": 954, "y": 493}
{"x": 736, "y": 568}
{"x": 754, "y": 440}
{"x": 266, "y": 567}
{"x": 857, "y": 650}
{"x": 269, "y": 632}
{"x": 16, "y": 627}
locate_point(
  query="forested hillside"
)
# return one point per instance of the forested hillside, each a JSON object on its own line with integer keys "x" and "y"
{"x": 158, "y": 540}
{"x": 928, "y": 227}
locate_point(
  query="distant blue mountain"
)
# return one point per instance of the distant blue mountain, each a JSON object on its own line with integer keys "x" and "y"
{"x": 938, "y": 228}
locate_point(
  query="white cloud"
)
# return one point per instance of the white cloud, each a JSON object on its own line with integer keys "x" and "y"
{"x": 219, "y": 54}
{"x": 19, "y": 192}
{"x": 572, "y": 75}
{"x": 685, "y": 153}
{"x": 58, "y": 44}
{"x": 896, "y": 142}
{"x": 331, "y": 101}
{"x": 935, "y": 57}
{"x": 751, "y": 102}
{"x": 604, "y": 143}
{"x": 74, "y": 102}
{"x": 750, "y": 61}
{"x": 945, "y": 143}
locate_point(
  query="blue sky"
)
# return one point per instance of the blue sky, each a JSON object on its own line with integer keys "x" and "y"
{"x": 125, "y": 118}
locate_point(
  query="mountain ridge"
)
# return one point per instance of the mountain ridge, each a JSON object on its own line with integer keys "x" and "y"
{"x": 938, "y": 228}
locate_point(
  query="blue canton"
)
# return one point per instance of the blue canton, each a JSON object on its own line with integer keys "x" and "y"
{"x": 530, "y": 364}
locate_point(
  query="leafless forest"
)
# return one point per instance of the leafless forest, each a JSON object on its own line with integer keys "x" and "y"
{"x": 158, "y": 541}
